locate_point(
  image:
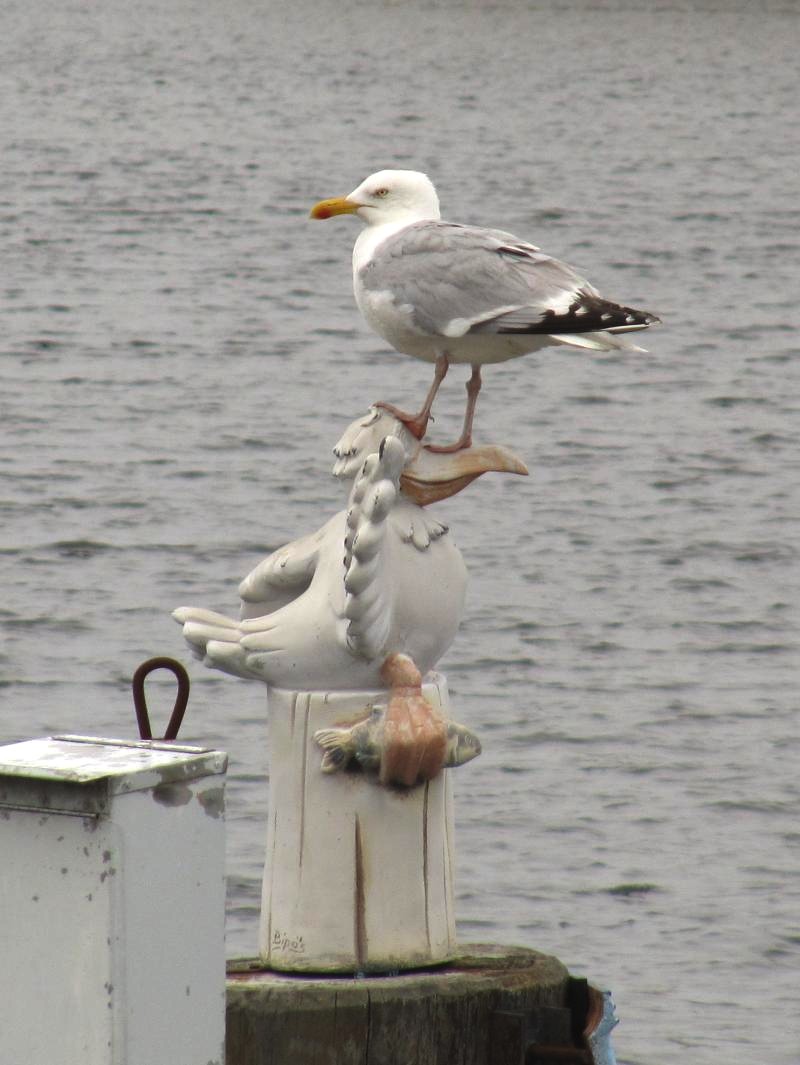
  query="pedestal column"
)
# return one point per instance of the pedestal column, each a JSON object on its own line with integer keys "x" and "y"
{"x": 358, "y": 877}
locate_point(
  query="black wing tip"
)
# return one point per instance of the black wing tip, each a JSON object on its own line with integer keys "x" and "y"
{"x": 635, "y": 320}
{"x": 586, "y": 314}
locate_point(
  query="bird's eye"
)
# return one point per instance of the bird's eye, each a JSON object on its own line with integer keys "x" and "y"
{"x": 382, "y": 192}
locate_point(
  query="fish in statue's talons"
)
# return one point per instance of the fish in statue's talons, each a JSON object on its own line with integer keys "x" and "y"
{"x": 414, "y": 733}
{"x": 410, "y": 750}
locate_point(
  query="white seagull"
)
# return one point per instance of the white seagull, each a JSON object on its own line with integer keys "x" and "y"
{"x": 450, "y": 293}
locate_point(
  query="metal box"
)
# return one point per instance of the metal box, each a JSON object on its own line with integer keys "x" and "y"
{"x": 112, "y": 903}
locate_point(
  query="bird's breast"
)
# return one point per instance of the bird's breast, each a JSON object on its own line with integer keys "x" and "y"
{"x": 394, "y": 321}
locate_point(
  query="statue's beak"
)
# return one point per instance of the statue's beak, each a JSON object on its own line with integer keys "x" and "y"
{"x": 431, "y": 476}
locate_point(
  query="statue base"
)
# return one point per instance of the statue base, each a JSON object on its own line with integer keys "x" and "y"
{"x": 358, "y": 877}
{"x": 489, "y": 1006}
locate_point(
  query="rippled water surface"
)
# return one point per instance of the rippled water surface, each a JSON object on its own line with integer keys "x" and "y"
{"x": 180, "y": 350}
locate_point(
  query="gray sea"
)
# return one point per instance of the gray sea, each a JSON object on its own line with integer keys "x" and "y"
{"x": 180, "y": 350}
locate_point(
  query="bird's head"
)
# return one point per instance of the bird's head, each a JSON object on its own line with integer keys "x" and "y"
{"x": 388, "y": 196}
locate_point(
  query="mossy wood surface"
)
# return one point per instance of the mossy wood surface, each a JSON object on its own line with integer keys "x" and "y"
{"x": 439, "y": 1016}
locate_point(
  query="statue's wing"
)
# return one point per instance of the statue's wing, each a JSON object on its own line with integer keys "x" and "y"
{"x": 370, "y": 583}
{"x": 281, "y": 577}
{"x": 214, "y": 639}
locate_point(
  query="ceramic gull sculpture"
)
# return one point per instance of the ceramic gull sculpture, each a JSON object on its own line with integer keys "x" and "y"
{"x": 380, "y": 579}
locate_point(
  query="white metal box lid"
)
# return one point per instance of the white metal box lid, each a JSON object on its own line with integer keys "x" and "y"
{"x": 79, "y": 774}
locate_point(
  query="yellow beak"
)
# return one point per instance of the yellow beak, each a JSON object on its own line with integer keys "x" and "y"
{"x": 338, "y": 205}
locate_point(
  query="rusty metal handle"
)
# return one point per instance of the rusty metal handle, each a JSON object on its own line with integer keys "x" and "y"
{"x": 140, "y": 703}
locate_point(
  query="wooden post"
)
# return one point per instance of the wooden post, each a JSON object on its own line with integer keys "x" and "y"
{"x": 359, "y": 877}
{"x": 436, "y": 1017}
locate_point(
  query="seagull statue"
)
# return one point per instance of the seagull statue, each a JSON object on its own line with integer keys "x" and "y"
{"x": 449, "y": 293}
{"x": 380, "y": 578}
{"x": 371, "y": 600}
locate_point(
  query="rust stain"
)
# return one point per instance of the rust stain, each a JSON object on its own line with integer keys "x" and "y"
{"x": 172, "y": 794}
{"x": 360, "y": 929}
{"x": 447, "y": 854}
{"x": 213, "y": 802}
{"x": 303, "y": 775}
{"x": 294, "y": 707}
{"x": 271, "y": 858}
{"x": 425, "y": 863}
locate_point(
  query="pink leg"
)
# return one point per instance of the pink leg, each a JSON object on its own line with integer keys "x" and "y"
{"x": 417, "y": 424}
{"x": 465, "y": 440}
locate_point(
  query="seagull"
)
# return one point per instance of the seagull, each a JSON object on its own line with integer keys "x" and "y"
{"x": 449, "y": 293}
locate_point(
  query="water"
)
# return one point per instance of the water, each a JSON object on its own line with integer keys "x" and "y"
{"x": 180, "y": 351}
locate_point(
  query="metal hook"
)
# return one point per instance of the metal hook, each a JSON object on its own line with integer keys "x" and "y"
{"x": 140, "y": 703}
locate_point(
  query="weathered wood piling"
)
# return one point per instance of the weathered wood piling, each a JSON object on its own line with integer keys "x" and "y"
{"x": 489, "y": 1006}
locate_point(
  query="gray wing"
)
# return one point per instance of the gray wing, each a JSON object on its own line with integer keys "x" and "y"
{"x": 464, "y": 279}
